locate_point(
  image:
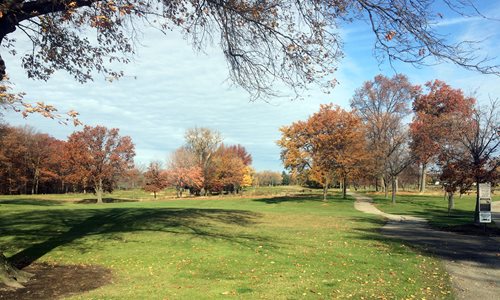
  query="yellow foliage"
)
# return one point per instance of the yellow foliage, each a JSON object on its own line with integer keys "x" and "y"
{"x": 248, "y": 176}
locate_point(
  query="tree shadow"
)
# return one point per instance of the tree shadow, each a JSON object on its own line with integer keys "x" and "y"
{"x": 442, "y": 244}
{"x": 293, "y": 198}
{"x": 39, "y": 232}
{"x": 41, "y": 202}
{"x": 105, "y": 200}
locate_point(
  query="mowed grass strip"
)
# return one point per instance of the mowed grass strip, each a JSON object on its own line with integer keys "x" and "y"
{"x": 271, "y": 248}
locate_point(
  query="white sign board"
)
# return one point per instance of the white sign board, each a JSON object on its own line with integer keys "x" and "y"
{"x": 485, "y": 190}
{"x": 484, "y": 217}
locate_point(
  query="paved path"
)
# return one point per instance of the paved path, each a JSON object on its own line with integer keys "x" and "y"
{"x": 495, "y": 213}
{"x": 473, "y": 262}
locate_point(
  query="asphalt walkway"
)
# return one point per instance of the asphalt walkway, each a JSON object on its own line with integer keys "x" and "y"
{"x": 473, "y": 262}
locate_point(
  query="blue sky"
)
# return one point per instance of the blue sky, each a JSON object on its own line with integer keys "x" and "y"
{"x": 169, "y": 88}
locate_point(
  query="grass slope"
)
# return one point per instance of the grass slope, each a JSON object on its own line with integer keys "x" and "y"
{"x": 288, "y": 247}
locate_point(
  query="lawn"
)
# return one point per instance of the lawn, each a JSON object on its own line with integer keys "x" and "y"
{"x": 431, "y": 206}
{"x": 281, "y": 247}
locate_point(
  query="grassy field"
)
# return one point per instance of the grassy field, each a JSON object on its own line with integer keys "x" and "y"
{"x": 271, "y": 247}
{"x": 432, "y": 206}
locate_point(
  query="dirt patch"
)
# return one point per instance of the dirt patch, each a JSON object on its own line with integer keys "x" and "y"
{"x": 56, "y": 281}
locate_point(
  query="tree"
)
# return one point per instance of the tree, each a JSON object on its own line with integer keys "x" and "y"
{"x": 183, "y": 171}
{"x": 455, "y": 171}
{"x": 227, "y": 171}
{"x": 267, "y": 178}
{"x": 248, "y": 177}
{"x": 481, "y": 139}
{"x": 98, "y": 156}
{"x": 383, "y": 104}
{"x": 285, "y": 178}
{"x": 331, "y": 143}
{"x": 296, "y": 42}
{"x": 398, "y": 159}
{"x": 241, "y": 152}
{"x": 435, "y": 120}
{"x": 154, "y": 180}
{"x": 203, "y": 142}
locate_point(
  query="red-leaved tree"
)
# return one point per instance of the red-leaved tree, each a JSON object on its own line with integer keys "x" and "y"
{"x": 154, "y": 179}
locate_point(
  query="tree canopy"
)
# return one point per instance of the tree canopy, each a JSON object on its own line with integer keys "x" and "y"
{"x": 295, "y": 43}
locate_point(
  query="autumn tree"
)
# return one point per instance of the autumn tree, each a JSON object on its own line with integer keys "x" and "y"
{"x": 383, "y": 104}
{"x": 98, "y": 156}
{"x": 248, "y": 177}
{"x": 481, "y": 139}
{"x": 154, "y": 180}
{"x": 183, "y": 171}
{"x": 267, "y": 178}
{"x": 133, "y": 178}
{"x": 241, "y": 152}
{"x": 331, "y": 143}
{"x": 13, "y": 161}
{"x": 455, "y": 170}
{"x": 203, "y": 143}
{"x": 398, "y": 158}
{"x": 437, "y": 114}
{"x": 295, "y": 42}
{"x": 229, "y": 167}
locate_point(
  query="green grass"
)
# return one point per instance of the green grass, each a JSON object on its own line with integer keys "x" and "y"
{"x": 283, "y": 247}
{"x": 141, "y": 195}
{"x": 431, "y": 207}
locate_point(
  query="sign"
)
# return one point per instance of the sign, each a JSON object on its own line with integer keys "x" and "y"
{"x": 485, "y": 202}
{"x": 485, "y": 190}
{"x": 484, "y": 217}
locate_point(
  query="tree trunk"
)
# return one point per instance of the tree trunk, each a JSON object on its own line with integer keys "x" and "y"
{"x": 344, "y": 188}
{"x": 386, "y": 190}
{"x": 37, "y": 184}
{"x": 451, "y": 202}
{"x": 325, "y": 191}
{"x": 422, "y": 178}
{"x": 394, "y": 189}
{"x": 383, "y": 184}
{"x": 476, "y": 210}
{"x": 10, "y": 275}
{"x": 396, "y": 186}
{"x": 98, "y": 191}
{"x": 154, "y": 194}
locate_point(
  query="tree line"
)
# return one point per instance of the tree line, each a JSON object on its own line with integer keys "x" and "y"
{"x": 91, "y": 160}
{"x": 373, "y": 144}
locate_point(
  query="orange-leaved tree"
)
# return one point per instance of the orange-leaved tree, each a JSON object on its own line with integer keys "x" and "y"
{"x": 98, "y": 156}
{"x": 331, "y": 143}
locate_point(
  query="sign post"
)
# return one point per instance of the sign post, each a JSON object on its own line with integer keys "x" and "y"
{"x": 485, "y": 202}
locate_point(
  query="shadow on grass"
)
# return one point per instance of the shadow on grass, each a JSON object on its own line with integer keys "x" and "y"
{"x": 41, "y": 202}
{"x": 105, "y": 200}
{"x": 450, "y": 246}
{"x": 39, "y": 232}
{"x": 301, "y": 198}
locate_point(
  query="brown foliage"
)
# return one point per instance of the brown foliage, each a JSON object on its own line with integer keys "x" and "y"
{"x": 295, "y": 42}
{"x": 155, "y": 181}
{"x": 331, "y": 143}
{"x": 97, "y": 156}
